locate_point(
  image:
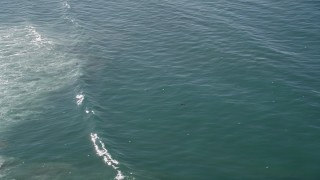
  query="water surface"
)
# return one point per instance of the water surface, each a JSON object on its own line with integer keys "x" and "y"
{"x": 159, "y": 90}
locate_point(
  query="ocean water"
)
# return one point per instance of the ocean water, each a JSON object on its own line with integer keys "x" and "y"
{"x": 158, "y": 90}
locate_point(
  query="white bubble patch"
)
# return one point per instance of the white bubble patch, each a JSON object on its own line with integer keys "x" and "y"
{"x": 79, "y": 99}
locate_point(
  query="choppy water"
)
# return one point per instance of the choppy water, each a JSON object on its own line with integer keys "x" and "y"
{"x": 159, "y": 89}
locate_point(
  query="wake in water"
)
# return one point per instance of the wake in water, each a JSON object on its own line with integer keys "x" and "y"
{"x": 99, "y": 146}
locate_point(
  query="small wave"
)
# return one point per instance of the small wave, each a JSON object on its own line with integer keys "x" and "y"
{"x": 103, "y": 152}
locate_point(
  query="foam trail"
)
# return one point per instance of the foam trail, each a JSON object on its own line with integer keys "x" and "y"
{"x": 103, "y": 152}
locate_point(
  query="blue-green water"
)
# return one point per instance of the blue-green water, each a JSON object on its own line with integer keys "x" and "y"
{"x": 159, "y": 89}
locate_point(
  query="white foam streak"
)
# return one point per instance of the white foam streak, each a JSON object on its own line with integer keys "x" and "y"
{"x": 103, "y": 152}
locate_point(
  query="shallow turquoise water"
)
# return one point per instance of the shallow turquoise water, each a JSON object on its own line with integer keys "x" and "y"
{"x": 159, "y": 90}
